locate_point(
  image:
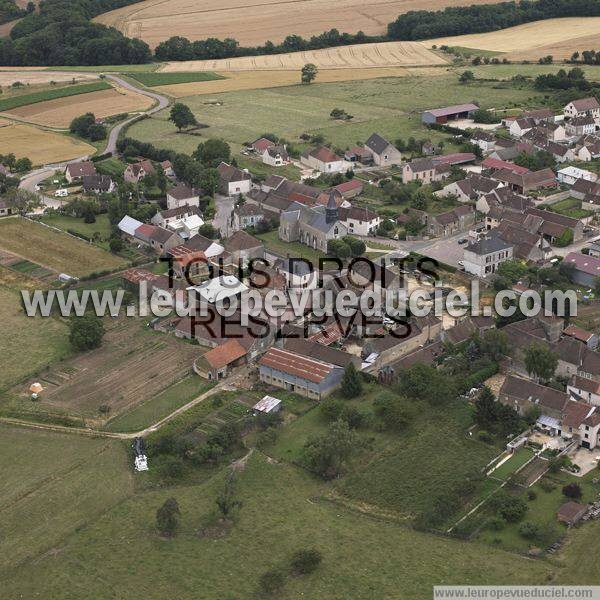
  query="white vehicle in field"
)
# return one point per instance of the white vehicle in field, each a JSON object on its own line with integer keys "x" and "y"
{"x": 62, "y": 193}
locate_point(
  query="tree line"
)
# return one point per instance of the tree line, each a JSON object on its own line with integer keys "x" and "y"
{"x": 62, "y": 33}
{"x": 423, "y": 24}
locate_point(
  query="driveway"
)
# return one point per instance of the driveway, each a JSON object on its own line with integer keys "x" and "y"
{"x": 222, "y": 220}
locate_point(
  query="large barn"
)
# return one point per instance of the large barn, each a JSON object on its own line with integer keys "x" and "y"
{"x": 448, "y": 113}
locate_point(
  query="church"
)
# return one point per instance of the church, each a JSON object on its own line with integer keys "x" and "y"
{"x": 312, "y": 226}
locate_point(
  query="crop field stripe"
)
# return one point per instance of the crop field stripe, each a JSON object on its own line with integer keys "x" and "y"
{"x": 156, "y": 79}
{"x": 17, "y": 101}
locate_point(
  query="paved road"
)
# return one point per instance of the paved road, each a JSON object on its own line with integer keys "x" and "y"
{"x": 35, "y": 177}
{"x": 161, "y": 102}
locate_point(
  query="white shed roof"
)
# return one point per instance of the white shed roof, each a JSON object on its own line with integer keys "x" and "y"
{"x": 267, "y": 404}
{"x": 219, "y": 288}
{"x": 128, "y": 225}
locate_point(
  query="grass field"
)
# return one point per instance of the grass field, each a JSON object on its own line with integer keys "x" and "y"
{"x": 26, "y": 344}
{"x": 363, "y": 558}
{"x": 41, "y": 146}
{"x": 52, "y": 94}
{"x": 388, "y": 106}
{"x": 233, "y": 81}
{"x": 159, "y": 406}
{"x": 61, "y": 111}
{"x": 557, "y": 37}
{"x": 359, "y": 56}
{"x": 54, "y": 250}
{"x": 101, "y": 227}
{"x": 52, "y": 486}
{"x": 154, "y": 79}
{"x": 157, "y": 20}
{"x": 425, "y": 461}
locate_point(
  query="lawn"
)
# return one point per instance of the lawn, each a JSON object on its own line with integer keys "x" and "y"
{"x": 52, "y": 94}
{"x": 111, "y": 166}
{"x": 101, "y": 228}
{"x": 161, "y": 405}
{"x": 153, "y": 79}
{"x": 294, "y": 249}
{"x": 53, "y": 485}
{"x": 570, "y": 207}
{"x": 27, "y": 344}
{"x": 49, "y": 248}
{"x": 257, "y": 167}
{"x": 363, "y": 558}
{"x": 515, "y": 462}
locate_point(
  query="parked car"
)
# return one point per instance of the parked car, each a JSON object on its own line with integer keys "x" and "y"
{"x": 463, "y": 241}
{"x": 62, "y": 193}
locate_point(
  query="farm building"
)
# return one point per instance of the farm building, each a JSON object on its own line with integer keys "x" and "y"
{"x": 569, "y": 175}
{"x": 571, "y": 513}
{"x": 586, "y": 269}
{"x": 449, "y": 113}
{"x": 306, "y": 376}
{"x": 217, "y": 362}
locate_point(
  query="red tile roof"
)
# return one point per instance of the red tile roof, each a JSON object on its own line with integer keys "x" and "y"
{"x": 496, "y": 163}
{"x": 294, "y": 364}
{"x": 262, "y": 144}
{"x": 578, "y": 333}
{"x": 225, "y": 354}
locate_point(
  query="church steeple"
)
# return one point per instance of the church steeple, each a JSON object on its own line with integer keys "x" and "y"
{"x": 331, "y": 212}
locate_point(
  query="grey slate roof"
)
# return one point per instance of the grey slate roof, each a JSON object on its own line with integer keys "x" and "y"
{"x": 377, "y": 144}
{"x": 489, "y": 245}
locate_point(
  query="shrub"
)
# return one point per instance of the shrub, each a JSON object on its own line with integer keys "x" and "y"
{"x": 547, "y": 486}
{"x": 496, "y": 523}
{"x": 272, "y": 581}
{"x": 531, "y": 495}
{"x": 572, "y": 490}
{"x": 485, "y": 436}
{"x": 528, "y": 530}
{"x": 306, "y": 561}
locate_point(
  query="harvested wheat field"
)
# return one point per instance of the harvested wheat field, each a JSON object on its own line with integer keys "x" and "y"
{"x": 254, "y": 23}
{"x": 40, "y": 77}
{"x": 383, "y": 54}
{"x": 53, "y": 250}
{"x": 61, "y": 111}
{"x": 533, "y": 40}
{"x": 254, "y": 80}
{"x": 39, "y": 145}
